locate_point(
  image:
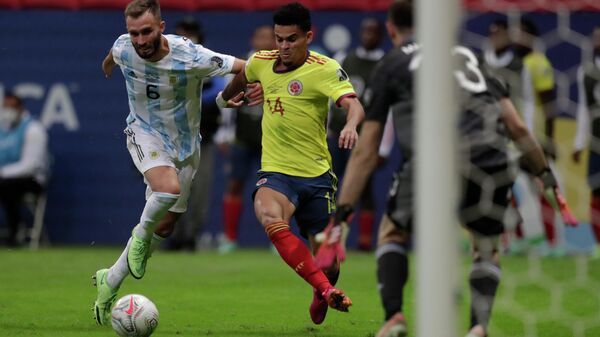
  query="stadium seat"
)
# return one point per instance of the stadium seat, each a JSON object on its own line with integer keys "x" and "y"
{"x": 360, "y": 5}
{"x": 64, "y": 4}
{"x": 36, "y": 204}
{"x": 239, "y": 5}
{"x": 11, "y": 4}
{"x": 103, "y": 4}
{"x": 274, "y": 4}
{"x": 186, "y": 5}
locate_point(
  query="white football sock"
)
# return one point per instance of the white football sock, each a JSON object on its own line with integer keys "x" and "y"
{"x": 156, "y": 207}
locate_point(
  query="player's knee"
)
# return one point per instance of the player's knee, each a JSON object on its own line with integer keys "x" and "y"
{"x": 266, "y": 219}
{"x": 266, "y": 216}
{"x": 485, "y": 248}
{"x": 171, "y": 187}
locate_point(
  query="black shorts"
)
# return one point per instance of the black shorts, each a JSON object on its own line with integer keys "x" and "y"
{"x": 486, "y": 199}
{"x": 400, "y": 202}
{"x": 594, "y": 172}
{"x": 482, "y": 208}
{"x": 314, "y": 198}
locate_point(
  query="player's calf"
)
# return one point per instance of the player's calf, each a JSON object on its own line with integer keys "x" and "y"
{"x": 484, "y": 280}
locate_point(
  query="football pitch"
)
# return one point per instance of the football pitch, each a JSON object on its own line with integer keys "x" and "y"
{"x": 253, "y": 293}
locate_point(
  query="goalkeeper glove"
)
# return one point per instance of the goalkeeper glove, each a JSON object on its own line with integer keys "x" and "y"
{"x": 555, "y": 198}
{"x": 333, "y": 238}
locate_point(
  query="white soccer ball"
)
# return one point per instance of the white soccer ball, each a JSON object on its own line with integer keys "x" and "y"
{"x": 134, "y": 316}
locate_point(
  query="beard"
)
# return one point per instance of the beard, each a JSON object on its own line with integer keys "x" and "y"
{"x": 149, "y": 50}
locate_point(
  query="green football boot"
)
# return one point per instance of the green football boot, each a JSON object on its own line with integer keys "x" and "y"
{"x": 137, "y": 256}
{"x": 106, "y": 297}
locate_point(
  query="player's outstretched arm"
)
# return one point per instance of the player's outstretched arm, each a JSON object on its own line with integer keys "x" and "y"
{"x": 233, "y": 94}
{"x": 238, "y": 66}
{"x": 108, "y": 64}
{"x": 520, "y": 134}
{"x": 548, "y": 99}
{"x": 354, "y": 116}
{"x": 536, "y": 160}
{"x": 362, "y": 162}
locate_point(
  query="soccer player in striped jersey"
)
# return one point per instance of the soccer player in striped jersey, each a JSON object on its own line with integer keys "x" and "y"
{"x": 163, "y": 76}
{"x": 296, "y": 178}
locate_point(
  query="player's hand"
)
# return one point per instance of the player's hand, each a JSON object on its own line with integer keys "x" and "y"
{"x": 333, "y": 238}
{"x": 348, "y": 137}
{"x": 234, "y": 102}
{"x": 555, "y": 198}
{"x": 254, "y": 94}
{"x": 576, "y": 156}
{"x": 107, "y": 68}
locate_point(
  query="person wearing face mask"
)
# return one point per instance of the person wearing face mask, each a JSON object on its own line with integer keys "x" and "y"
{"x": 23, "y": 160}
{"x": 588, "y": 123}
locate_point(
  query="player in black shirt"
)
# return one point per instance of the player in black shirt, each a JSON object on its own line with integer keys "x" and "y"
{"x": 487, "y": 117}
{"x": 588, "y": 125}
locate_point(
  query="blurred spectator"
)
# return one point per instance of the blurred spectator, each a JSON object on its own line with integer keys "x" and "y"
{"x": 244, "y": 150}
{"x": 194, "y": 220}
{"x": 359, "y": 64}
{"x": 530, "y": 77}
{"x": 23, "y": 160}
{"x": 588, "y": 123}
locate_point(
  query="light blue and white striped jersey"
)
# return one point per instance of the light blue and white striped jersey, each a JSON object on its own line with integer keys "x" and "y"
{"x": 165, "y": 96}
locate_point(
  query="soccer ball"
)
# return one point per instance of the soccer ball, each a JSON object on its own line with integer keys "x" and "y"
{"x": 134, "y": 316}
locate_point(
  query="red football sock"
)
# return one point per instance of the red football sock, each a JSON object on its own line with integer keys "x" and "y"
{"x": 548, "y": 220}
{"x": 232, "y": 209}
{"x": 295, "y": 253}
{"x": 519, "y": 226}
{"x": 365, "y": 229}
{"x": 595, "y": 217}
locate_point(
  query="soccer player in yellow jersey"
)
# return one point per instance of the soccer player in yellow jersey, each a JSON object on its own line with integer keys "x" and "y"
{"x": 539, "y": 113}
{"x": 296, "y": 177}
{"x": 541, "y": 97}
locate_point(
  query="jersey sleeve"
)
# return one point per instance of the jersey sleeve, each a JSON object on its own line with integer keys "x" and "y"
{"x": 250, "y": 69}
{"x": 497, "y": 87}
{"x": 335, "y": 83}
{"x": 377, "y": 98}
{"x": 542, "y": 74}
{"x": 211, "y": 63}
{"x": 118, "y": 48}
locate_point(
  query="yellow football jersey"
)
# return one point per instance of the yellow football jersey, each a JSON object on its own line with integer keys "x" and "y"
{"x": 296, "y": 104}
{"x": 542, "y": 79}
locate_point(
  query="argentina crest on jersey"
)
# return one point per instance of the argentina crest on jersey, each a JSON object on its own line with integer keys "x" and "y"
{"x": 216, "y": 62}
{"x": 295, "y": 87}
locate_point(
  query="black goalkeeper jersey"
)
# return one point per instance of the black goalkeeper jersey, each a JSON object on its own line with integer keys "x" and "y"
{"x": 591, "y": 86}
{"x": 482, "y": 137}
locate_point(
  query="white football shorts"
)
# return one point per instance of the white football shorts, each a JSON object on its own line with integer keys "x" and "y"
{"x": 148, "y": 150}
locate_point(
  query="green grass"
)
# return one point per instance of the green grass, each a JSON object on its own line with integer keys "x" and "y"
{"x": 253, "y": 293}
